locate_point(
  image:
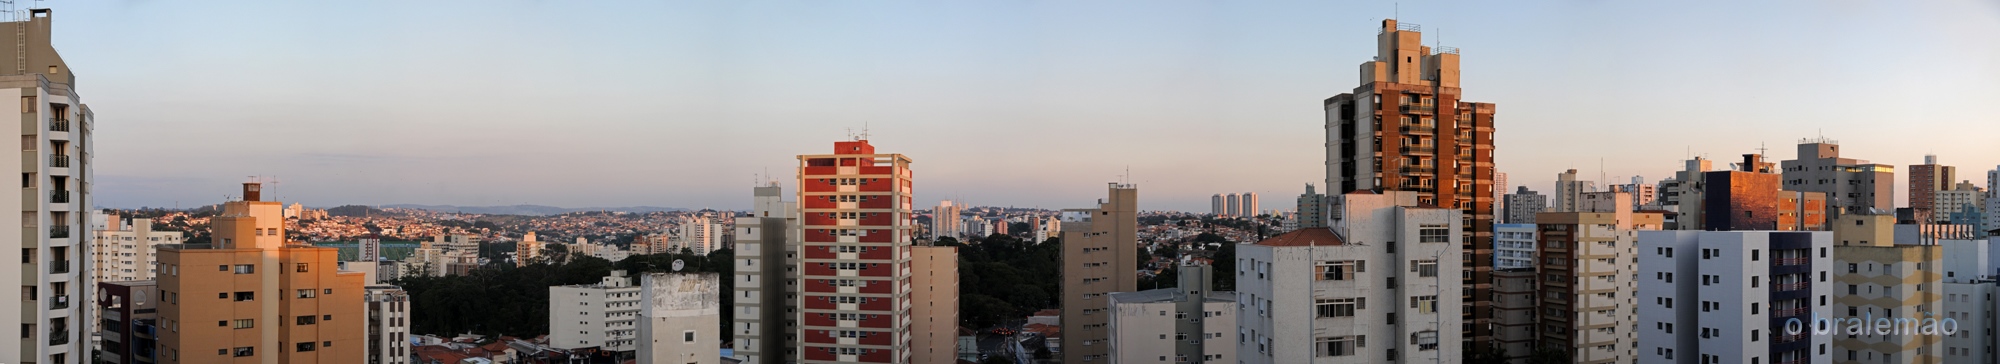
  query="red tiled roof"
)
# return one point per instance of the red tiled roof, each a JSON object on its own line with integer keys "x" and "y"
{"x": 1304, "y": 237}
{"x": 1048, "y": 312}
{"x": 439, "y": 353}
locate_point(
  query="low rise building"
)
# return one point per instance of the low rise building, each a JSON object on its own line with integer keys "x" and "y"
{"x": 680, "y": 318}
{"x": 388, "y": 324}
{"x": 129, "y": 314}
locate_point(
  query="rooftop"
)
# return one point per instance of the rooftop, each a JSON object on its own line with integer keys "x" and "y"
{"x": 1305, "y": 237}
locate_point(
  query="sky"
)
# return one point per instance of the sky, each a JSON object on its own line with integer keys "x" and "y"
{"x": 1006, "y": 103}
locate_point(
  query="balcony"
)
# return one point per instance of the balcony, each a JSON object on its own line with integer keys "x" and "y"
{"x": 59, "y": 302}
{"x": 59, "y": 336}
{"x": 1794, "y": 261}
{"x": 59, "y": 231}
{"x": 1419, "y": 129}
{"x": 1420, "y": 109}
{"x": 1418, "y": 170}
{"x": 59, "y": 161}
{"x": 59, "y": 196}
{"x": 141, "y": 329}
{"x": 59, "y": 267}
{"x": 1419, "y": 150}
{"x": 1791, "y": 287}
{"x": 59, "y": 125}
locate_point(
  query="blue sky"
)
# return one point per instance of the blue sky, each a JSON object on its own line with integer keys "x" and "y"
{"x": 1018, "y": 103}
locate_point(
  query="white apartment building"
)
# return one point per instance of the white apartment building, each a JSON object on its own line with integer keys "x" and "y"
{"x": 680, "y": 318}
{"x": 1969, "y": 288}
{"x": 388, "y": 324}
{"x": 1724, "y": 296}
{"x": 767, "y": 247}
{"x": 1964, "y": 199}
{"x": 1586, "y": 261}
{"x": 1371, "y": 288}
{"x": 601, "y": 315}
{"x": 48, "y": 289}
{"x": 1189, "y": 323}
{"x": 1513, "y": 246}
{"x": 123, "y": 251}
{"x": 945, "y": 220}
{"x": 697, "y": 234}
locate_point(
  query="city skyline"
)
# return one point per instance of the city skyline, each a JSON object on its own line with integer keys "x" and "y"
{"x": 677, "y": 106}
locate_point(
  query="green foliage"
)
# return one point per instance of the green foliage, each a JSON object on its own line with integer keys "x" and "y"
{"x": 1002, "y": 278}
{"x": 502, "y": 299}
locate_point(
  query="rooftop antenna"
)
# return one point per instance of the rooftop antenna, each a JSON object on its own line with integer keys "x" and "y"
{"x": 864, "y": 130}
{"x": 1761, "y": 150}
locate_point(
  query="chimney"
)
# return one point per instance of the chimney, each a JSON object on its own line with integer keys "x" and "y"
{"x": 251, "y": 191}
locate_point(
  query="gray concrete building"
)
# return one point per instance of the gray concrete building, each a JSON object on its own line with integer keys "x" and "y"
{"x": 1849, "y": 184}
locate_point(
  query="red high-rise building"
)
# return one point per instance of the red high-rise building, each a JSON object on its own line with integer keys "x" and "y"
{"x": 855, "y": 298}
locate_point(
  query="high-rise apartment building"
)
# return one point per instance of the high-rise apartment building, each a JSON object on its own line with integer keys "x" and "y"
{"x": 1406, "y": 129}
{"x": 855, "y": 211}
{"x": 1644, "y": 195}
{"x": 1189, "y": 323}
{"x": 1500, "y": 198}
{"x": 698, "y": 234}
{"x": 1890, "y": 281}
{"x": 944, "y": 220}
{"x": 1249, "y": 207}
{"x": 49, "y": 290}
{"x": 602, "y": 315}
{"x": 1515, "y": 315}
{"x": 271, "y": 300}
{"x": 135, "y": 337}
{"x": 679, "y": 316}
{"x": 1850, "y": 185}
{"x": 388, "y": 324}
{"x": 1726, "y": 296}
{"x": 1683, "y": 193}
{"x": 1749, "y": 198}
{"x": 528, "y": 250}
{"x": 765, "y": 326}
{"x": 1216, "y": 208}
{"x": 1513, "y": 246}
{"x": 1586, "y": 261}
{"x": 1925, "y": 181}
{"x": 124, "y": 250}
{"x": 1100, "y": 253}
{"x": 1233, "y": 205}
{"x": 1312, "y": 209}
{"x": 1960, "y": 204}
{"x": 1377, "y": 286}
{"x": 1992, "y": 210}
{"x": 1523, "y": 205}
{"x": 934, "y": 304}
{"x": 1569, "y": 191}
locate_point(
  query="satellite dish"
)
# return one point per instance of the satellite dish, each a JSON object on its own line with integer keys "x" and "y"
{"x": 678, "y": 264}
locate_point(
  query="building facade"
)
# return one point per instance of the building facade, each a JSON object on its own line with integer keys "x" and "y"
{"x": 1189, "y": 323}
{"x": 130, "y": 314}
{"x": 271, "y": 300}
{"x": 1249, "y": 206}
{"x": 124, "y": 250}
{"x": 1569, "y": 191}
{"x": 1405, "y": 128}
{"x": 1523, "y": 204}
{"x": 1683, "y": 194}
{"x": 1586, "y": 261}
{"x": 1878, "y": 281}
{"x": 602, "y": 315}
{"x": 1378, "y": 285}
{"x": 51, "y": 287}
{"x": 1513, "y": 246}
{"x": 934, "y": 307}
{"x": 855, "y": 260}
{"x": 767, "y": 279}
{"x": 388, "y": 324}
{"x": 680, "y": 317}
{"x": 1849, "y": 184}
{"x": 1233, "y": 203}
{"x": 1726, "y": 296}
{"x": 1100, "y": 255}
{"x": 944, "y": 220}
{"x": 1749, "y": 198}
{"x": 1312, "y": 209}
{"x": 1925, "y": 181}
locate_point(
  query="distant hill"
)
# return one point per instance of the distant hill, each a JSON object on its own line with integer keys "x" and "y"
{"x": 353, "y": 211}
{"x": 532, "y": 210}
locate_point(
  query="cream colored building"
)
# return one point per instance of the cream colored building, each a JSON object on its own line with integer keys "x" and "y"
{"x": 765, "y": 274}
{"x": 47, "y": 290}
{"x": 603, "y": 315}
{"x": 252, "y": 296}
{"x": 680, "y": 315}
{"x": 1189, "y": 323}
{"x": 528, "y": 250}
{"x": 388, "y": 324}
{"x": 1588, "y": 262}
{"x": 1874, "y": 276}
{"x": 124, "y": 251}
{"x": 1100, "y": 255}
{"x": 934, "y": 304}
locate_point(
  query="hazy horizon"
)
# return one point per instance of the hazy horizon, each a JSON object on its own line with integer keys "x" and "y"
{"x": 1027, "y": 104}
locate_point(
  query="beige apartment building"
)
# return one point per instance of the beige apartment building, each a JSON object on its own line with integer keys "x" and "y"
{"x": 48, "y": 290}
{"x": 1587, "y": 265}
{"x": 1873, "y": 276}
{"x": 934, "y": 304}
{"x": 1100, "y": 256}
{"x": 253, "y": 297}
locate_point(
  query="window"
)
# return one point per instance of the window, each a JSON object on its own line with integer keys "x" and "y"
{"x": 1426, "y": 341}
{"x": 246, "y": 269}
{"x": 1425, "y": 268}
{"x": 308, "y": 320}
{"x": 305, "y": 346}
{"x": 687, "y": 336}
{"x": 246, "y": 351}
{"x": 308, "y": 293}
{"x": 1337, "y": 346}
{"x": 246, "y": 296}
{"x": 1339, "y": 307}
{"x": 1433, "y": 234}
{"x": 302, "y": 267}
{"x": 1339, "y": 270}
{"x": 1424, "y": 304}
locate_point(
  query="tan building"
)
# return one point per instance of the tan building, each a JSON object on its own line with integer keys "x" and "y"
{"x": 1875, "y": 277}
{"x": 270, "y": 301}
{"x": 1587, "y": 264}
{"x": 528, "y": 250}
{"x": 1100, "y": 256}
{"x": 934, "y": 304}
{"x": 1514, "y": 317}
{"x": 1405, "y": 128}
